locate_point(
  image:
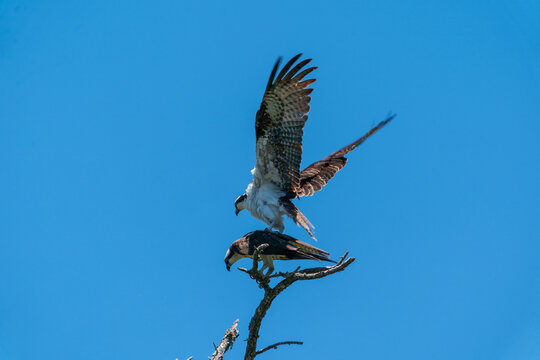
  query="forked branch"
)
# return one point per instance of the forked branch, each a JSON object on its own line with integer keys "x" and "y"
{"x": 270, "y": 293}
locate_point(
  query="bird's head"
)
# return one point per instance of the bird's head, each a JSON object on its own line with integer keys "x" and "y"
{"x": 239, "y": 204}
{"x": 231, "y": 257}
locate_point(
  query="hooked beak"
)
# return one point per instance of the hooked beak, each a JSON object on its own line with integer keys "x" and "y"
{"x": 236, "y": 212}
{"x": 228, "y": 267}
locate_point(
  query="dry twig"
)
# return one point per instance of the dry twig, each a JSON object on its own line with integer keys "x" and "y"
{"x": 274, "y": 346}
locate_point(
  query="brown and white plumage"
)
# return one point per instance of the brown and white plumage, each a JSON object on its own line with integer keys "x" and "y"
{"x": 317, "y": 175}
{"x": 280, "y": 247}
{"x": 279, "y": 128}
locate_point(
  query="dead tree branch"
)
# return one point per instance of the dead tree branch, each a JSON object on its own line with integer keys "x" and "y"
{"x": 274, "y": 346}
{"x": 270, "y": 293}
{"x": 226, "y": 343}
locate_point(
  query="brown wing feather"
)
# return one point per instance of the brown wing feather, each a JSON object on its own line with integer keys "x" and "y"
{"x": 279, "y": 125}
{"x": 317, "y": 175}
{"x": 278, "y": 244}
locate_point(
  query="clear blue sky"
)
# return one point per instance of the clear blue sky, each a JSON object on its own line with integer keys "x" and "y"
{"x": 126, "y": 133}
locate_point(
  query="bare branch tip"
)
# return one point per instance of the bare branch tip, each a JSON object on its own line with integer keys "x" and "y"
{"x": 275, "y": 346}
{"x": 231, "y": 334}
{"x": 262, "y": 247}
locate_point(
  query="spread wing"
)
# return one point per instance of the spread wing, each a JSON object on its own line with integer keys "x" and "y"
{"x": 279, "y": 126}
{"x": 317, "y": 175}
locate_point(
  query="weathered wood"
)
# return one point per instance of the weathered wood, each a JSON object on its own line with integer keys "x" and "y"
{"x": 227, "y": 342}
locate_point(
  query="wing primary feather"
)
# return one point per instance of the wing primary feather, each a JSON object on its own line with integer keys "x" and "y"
{"x": 306, "y": 83}
{"x": 301, "y": 75}
{"x": 347, "y": 149}
{"x": 317, "y": 175}
{"x": 279, "y": 124}
{"x": 296, "y": 69}
{"x": 273, "y": 74}
{"x": 287, "y": 67}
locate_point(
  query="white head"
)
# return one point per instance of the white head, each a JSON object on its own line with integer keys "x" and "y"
{"x": 240, "y": 203}
{"x": 232, "y": 256}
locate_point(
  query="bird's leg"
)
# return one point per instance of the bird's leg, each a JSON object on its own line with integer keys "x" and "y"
{"x": 270, "y": 269}
{"x": 268, "y": 263}
{"x": 261, "y": 270}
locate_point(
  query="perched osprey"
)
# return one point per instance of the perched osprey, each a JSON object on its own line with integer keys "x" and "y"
{"x": 280, "y": 247}
{"x": 279, "y": 125}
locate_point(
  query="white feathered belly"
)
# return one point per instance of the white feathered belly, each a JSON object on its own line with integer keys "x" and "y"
{"x": 263, "y": 203}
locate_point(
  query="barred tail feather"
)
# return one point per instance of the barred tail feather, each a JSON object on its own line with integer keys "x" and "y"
{"x": 302, "y": 220}
{"x": 299, "y": 218}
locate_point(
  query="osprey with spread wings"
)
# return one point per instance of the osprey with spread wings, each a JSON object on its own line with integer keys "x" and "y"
{"x": 279, "y": 125}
